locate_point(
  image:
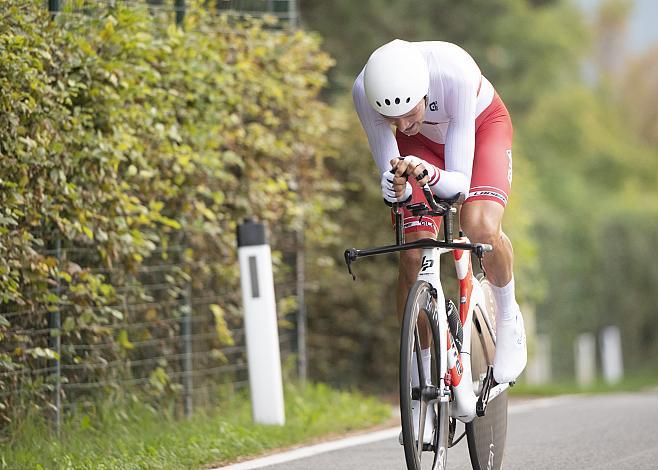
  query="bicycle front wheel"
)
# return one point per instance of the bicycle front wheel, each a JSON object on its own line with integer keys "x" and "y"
{"x": 421, "y": 303}
{"x": 487, "y": 434}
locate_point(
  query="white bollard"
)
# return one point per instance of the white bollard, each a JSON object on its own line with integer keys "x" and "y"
{"x": 585, "y": 359}
{"x": 539, "y": 367}
{"x": 260, "y": 321}
{"x": 611, "y": 355}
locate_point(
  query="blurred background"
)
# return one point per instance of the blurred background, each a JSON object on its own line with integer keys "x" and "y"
{"x": 577, "y": 78}
{"x": 135, "y": 136}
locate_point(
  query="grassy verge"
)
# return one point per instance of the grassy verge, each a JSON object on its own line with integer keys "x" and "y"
{"x": 631, "y": 383}
{"x": 143, "y": 438}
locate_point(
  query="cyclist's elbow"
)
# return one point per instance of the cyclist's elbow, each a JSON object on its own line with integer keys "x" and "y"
{"x": 451, "y": 183}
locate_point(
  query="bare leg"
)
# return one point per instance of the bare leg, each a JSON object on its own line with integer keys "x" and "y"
{"x": 482, "y": 223}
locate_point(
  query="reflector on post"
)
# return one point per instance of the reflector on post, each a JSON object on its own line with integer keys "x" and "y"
{"x": 260, "y": 322}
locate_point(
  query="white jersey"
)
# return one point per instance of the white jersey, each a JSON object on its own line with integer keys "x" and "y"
{"x": 453, "y": 104}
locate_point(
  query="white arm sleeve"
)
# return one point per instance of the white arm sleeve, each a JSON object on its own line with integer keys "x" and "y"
{"x": 460, "y": 138}
{"x": 380, "y": 135}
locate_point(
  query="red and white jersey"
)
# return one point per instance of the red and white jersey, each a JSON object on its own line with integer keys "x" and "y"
{"x": 458, "y": 93}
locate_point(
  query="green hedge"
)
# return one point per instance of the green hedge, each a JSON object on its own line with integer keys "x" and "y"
{"x": 123, "y": 135}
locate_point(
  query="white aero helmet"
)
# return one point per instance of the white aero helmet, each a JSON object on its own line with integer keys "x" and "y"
{"x": 396, "y": 78}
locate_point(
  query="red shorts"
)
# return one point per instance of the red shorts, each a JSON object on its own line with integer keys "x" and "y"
{"x": 492, "y": 163}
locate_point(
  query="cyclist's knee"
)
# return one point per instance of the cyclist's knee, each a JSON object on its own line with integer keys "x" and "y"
{"x": 482, "y": 222}
{"x": 410, "y": 259}
{"x": 409, "y": 264}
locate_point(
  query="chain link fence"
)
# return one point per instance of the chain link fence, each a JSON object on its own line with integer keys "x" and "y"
{"x": 286, "y": 11}
{"x": 166, "y": 337}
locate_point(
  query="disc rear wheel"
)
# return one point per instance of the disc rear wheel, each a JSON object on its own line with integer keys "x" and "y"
{"x": 486, "y": 434}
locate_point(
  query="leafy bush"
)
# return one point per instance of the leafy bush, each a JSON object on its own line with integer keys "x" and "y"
{"x": 129, "y": 138}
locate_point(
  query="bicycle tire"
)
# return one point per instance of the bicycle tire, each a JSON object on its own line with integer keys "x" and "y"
{"x": 486, "y": 435}
{"x": 420, "y": 302}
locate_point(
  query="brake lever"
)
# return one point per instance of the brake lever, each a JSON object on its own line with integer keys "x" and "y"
{"x": 480, "y": 249}
{"x": 351, "y": 255}
{"x": 438, "y": 208}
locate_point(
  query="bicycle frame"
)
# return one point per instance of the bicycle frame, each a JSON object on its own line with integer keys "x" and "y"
{"x": 455, "y": 367}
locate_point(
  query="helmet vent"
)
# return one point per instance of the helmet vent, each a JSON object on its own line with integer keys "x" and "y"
{"x": 387, "y": 101}
{"x": 397, "y": 100}
{"x": 408, "y": 99}
{"x": 378, "y": 104}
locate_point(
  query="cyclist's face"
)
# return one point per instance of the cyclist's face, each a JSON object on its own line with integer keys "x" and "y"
{"x": 411, "y": 122}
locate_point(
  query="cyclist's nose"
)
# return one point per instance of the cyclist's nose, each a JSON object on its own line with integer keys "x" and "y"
{"x": 404, "y": 124}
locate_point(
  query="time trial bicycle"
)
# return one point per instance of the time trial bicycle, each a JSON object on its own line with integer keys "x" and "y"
{"x": 461, "y": 386}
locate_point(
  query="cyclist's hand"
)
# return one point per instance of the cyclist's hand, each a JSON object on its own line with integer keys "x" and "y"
{"x": 389, "y": 191}
{"x": 416, "y": 168}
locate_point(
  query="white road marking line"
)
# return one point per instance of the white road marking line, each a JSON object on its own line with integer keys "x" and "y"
{"x": 367, "y": 439}
{"x": 315, "y": 449}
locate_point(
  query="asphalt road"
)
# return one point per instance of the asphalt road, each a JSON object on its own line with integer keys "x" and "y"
{"x": 600, "y": 432}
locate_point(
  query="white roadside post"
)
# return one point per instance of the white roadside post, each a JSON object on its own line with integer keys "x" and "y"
{"x": 260, "y": 321}
{"x": 611, "y": 355}
{"x": 539, "y": 368}
{"x": 585, "y": 359}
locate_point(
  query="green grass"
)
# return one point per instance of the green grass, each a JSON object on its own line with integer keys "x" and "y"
{"x": 143, "y": 438}
{"x": 632, "y": 383}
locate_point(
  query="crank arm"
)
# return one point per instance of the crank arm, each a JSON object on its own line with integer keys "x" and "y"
{"x": 487, "y": 385}
{"x": 490, "y": 390}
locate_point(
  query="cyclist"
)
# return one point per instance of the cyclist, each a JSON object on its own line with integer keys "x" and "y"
{"x": 454, "y": 133}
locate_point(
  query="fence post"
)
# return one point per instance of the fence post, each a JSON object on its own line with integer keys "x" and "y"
{"x": 301, "y": 308}
{"x": 55, "y": 344}
{"x": 180, "y": 12}
{"x": 186, "y": 328}
{"x": 292, "y": 13}
{"x": 53, "y": 6}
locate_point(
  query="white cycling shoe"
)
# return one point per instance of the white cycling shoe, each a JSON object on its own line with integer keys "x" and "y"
{"x": 511, "y": 351}
{"x": 430, "y": 418}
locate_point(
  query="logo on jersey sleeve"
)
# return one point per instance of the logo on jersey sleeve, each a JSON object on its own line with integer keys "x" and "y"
{"x": 434, "y": 106}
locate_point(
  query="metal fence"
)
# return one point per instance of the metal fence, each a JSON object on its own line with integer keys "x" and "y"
{"x": 286, "y": 11}
{"x": 168, "y": 337}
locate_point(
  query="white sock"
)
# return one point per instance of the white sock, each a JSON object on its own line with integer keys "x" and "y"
{"x": 505, "y": 300}
{"x": 426, "y": 357}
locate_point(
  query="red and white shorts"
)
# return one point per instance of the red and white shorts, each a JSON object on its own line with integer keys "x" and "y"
{"x": 492, "y": 163}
